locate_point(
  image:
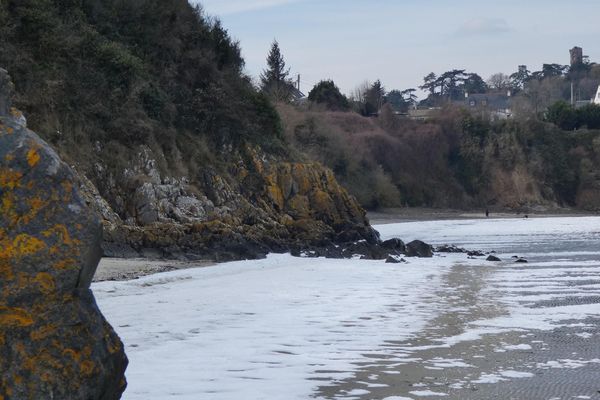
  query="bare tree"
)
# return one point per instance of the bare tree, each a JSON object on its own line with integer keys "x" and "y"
{"x": 499, "y": 81}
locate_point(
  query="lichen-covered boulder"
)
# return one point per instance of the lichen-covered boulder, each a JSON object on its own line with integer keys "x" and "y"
{"x": 54, "y": 342}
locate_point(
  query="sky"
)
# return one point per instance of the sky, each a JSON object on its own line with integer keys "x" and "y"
{"x": 401, "y": 41}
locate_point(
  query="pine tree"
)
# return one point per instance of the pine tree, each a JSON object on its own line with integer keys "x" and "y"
{"x": 274, "y": 81}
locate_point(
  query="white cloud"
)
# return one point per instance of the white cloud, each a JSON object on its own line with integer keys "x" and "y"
{"x": 484, "y": 26}
{"x": 225, "y": 7}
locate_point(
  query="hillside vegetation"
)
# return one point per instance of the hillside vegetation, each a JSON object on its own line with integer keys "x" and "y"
{"x": 98, "y": 77}
{"x": 454, "y": 160}
{"x": 184, "y": 156}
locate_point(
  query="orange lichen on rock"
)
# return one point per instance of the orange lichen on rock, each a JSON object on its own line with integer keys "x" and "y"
{"x": 62, "y": 233}
{"x": 10, "y": 179}
{"x": 14, "y": 317}
{"x": 25, "y": 245}
{"x": 65, "y": 264}
{"x": 43, "y": 332}
{"x": 45, "y": 281}
{"x": 87, "y": 367}
{"x": 33, "y": 157}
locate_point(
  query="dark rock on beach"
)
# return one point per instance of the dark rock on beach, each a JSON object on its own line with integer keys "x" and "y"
{"x": 450, "y": 249}
{"x": 54, "y": 342}
{"x": 394, "y": 244}
{"x": 417, "y": 248}
{"x": 493, "y": 258}
{"x": 475, "y": 253}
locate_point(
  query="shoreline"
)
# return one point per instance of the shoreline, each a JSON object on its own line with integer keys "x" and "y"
{"x": 410, "y": 214}
{"x": 123, "y": 269}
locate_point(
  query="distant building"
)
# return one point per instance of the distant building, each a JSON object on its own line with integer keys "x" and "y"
{"x": 497, "y": 104}
{"x": 422, "y": 114}
{"x": 596, "y": 100}
{"x": 297, "y": 96}
{"x": 576, "y": 56}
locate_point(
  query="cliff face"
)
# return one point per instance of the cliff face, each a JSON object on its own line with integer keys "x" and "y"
{"x": 261, "y": 204}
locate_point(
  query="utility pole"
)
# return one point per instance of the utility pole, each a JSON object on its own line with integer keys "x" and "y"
{"x": 298, "y": 84}
{"x": 572, "y": 95}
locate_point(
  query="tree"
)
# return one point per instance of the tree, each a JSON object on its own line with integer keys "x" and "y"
{"x": 375, "y": 98}
{"x": 518, "y": 79}
{"x": 396, "y": 100}
{"x": 474, "y": 83}
{"x": 538, "y": 95}
{"x": 430, "y": 83}
{"x": 401, "y": 100}
{"x": 327, "y": 93}
{"x": 449, "y": 81}
{"x": 274, "y": 81}
{"x": 409, "y": 96}
{"x": 499, "y": 81}
{"x": 589, "y": 116}
{"x": 549, "y": 71}
{"x": 358, "y": 97}
{"x": 563, "y": 115}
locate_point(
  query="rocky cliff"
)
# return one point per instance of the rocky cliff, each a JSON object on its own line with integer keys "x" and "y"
{"x": 260, "y": 204}
{"x": 54, "y": 342}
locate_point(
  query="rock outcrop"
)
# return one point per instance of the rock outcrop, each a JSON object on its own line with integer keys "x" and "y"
{"x": 263, "y": 204}
{"x": 54, "y": 342}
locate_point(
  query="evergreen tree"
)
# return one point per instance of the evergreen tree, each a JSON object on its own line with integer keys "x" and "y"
{"x": 326, "y": 92}
{"x": 274, "y": 81}
{"x": 375, "y": 98}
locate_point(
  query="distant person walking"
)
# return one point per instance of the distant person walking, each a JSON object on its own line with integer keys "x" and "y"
{"x": 487, "y": 213}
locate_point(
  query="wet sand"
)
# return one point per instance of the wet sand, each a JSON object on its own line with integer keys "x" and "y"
{"x": 120, "y": 269}
{"x": 524, "y": 364}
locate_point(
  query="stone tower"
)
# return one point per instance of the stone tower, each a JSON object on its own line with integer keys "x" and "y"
{"x": 576, "y": 56}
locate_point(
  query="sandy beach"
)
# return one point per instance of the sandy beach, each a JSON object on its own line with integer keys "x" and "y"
{"x": 124, "y": 269}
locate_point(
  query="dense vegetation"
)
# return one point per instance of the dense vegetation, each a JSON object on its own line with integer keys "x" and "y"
{"x": 98, "y": 77}
{"x": 453, "y": 160}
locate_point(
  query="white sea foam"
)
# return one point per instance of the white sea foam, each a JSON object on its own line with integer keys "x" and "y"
{"x": 268, "y": 328}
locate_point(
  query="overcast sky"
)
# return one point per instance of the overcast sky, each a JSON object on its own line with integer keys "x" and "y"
{"x": 400, "y": 41}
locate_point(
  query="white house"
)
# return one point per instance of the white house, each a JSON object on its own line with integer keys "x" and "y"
{"x": 596, "y": 100}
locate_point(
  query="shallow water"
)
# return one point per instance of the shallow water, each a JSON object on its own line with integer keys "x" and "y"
{"x": 447, "y": 327}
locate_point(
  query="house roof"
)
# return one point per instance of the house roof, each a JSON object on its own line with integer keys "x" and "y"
{"x": 493, "y": 101}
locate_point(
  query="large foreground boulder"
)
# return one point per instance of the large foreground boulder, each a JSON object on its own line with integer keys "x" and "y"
{"x": 54, "y": 342}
